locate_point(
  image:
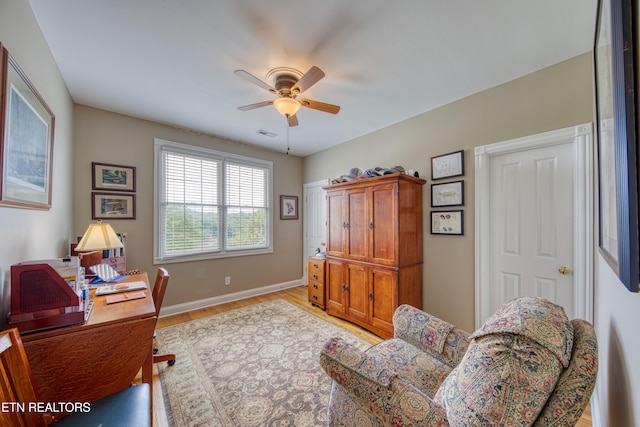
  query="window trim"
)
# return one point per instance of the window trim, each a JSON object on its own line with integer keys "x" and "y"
{"x": 159, "y": 145}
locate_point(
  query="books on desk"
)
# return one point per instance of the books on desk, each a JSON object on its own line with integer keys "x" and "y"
{"x": 120, "y": 287}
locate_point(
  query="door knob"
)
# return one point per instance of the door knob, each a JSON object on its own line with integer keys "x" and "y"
{"x": 564, "y": 270}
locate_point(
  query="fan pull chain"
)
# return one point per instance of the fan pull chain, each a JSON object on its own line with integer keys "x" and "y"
{"x": 288, "y": 148}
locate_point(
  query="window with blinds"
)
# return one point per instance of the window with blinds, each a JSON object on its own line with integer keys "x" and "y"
{"x": 210, "y": 204}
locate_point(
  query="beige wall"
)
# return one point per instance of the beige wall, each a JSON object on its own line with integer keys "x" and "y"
{"x": 552, "y": 98}
{"x": 31, "y": 234}
{"x": 106, "y": 137}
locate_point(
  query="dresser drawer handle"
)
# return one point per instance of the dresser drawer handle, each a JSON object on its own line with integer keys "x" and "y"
{"x": 315, "y": 286}
{"x": 315, "y": 297}
{"x": 315, "y": 265}
{"x": 315, "y": 276}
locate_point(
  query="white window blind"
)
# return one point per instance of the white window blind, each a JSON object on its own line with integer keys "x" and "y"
{"x": 246, "y": 205}
{"x": 210, "y": 204}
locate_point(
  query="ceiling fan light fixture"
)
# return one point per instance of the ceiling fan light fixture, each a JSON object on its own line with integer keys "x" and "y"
{"x": 286, "y": 106}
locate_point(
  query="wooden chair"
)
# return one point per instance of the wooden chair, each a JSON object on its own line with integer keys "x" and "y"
{"x": 129, "y": 407}
{"x": 159, "y": 288}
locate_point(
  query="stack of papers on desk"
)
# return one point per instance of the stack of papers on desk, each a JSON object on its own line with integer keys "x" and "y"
{"x": 121, "y": 287}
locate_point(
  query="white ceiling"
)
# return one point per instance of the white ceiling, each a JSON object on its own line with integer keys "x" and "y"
{"x": 385, "y": 61}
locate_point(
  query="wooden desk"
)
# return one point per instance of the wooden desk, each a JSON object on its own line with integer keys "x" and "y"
{"x": 83, "y": 363}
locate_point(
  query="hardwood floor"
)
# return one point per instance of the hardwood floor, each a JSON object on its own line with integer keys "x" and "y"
{"x": 297, "y": 296}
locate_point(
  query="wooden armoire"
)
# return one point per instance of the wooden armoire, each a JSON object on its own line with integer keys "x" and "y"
{"x": 374, "y": 249}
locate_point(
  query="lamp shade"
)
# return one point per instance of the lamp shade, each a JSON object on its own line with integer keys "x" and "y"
{"x": 99, "y": 236}
{"x": 286, "y": 106}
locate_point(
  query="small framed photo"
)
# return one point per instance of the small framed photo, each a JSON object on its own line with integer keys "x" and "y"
{"x": 447, "y": 222}
{"x": 447, "y": 194}
{"x": 447, "y": 165}
{"x": 288, "y": 207}
{"x": 113, "y": 206}
{"x": 113, "y": 177}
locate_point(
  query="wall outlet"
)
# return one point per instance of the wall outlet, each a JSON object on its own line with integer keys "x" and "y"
{"x": 227, "y": 280}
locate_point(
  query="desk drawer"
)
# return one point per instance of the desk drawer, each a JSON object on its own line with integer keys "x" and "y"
{"x": 316, "y": 270}
{"x": 316, "y": 293}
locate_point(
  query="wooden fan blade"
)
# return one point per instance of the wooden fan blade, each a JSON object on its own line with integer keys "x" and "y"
{"x": 327, "y": 108}
{"x": 256, "y": 105}
{"x": 256, "y": 81}
{"x": 310, "y": 78}
{"x": 292, "y": 120}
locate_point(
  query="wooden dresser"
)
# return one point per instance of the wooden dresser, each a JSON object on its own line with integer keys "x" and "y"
{"x": 374, "y": 249}
{"x": 315, "y": 271}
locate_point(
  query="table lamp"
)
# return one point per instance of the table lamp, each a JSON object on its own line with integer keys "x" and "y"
{"x": 99, "y": 236}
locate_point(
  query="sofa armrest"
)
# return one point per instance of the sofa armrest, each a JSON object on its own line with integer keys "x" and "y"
{"x": 379, "y": 390}
{"x": 440, "y": 339}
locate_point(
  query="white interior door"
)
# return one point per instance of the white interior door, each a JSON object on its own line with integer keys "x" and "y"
{"x": 531, "y": 224}
{"x": 315, "y": 220}
{"x": 532, "y": 220}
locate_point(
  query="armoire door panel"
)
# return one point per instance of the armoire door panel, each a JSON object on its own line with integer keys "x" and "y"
{"x": 383, "y": 225}
{"x": 383, "y": 297}
{"x": 357, "y": 301}
{"x": 335, "y": 223}
{"x": 335, "y": 282}
{"x": 357, "y": 224}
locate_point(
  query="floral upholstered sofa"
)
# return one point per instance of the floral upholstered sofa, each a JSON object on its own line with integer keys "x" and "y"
{"x": 527, "y": 365}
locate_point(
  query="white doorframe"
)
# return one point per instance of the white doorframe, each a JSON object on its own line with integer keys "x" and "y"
{"x": 583, "y": 224}
{"x": 305, "y": 222}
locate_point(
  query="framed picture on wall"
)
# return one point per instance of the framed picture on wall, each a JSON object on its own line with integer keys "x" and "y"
{"x": 447, "y": 222}
{"x": 26, "y": 140}
{"x": 447, "y": 194}
{"x": 113, "y": 177}
{"x": 617, "y": 146}
{"x": 113, "y": 206}
{"x": 447, "y": 165}
{"x": 288, "y": 207}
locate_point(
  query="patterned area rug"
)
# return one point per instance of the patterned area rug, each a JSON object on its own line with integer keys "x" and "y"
{"x": 254, "y": 366}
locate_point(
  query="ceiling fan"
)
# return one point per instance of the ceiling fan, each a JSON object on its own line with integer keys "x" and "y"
{"x": 288, "y": 84}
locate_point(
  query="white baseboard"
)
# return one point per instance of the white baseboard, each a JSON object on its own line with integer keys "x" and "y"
{"x": 595, "y": 410}
{"x": 209, "y": 302}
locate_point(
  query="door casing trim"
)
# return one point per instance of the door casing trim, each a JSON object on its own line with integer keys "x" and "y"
{"x": 584, "y": 227}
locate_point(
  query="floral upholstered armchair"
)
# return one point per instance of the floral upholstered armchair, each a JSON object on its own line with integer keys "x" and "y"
{"x": 527, "y": 365}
